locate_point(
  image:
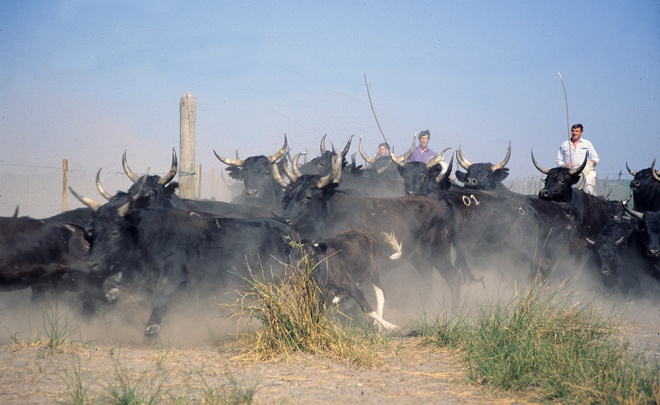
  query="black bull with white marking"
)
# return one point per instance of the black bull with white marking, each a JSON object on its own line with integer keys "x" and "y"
{"x": 172, "y": 248}
{"x": 344, "y": 262}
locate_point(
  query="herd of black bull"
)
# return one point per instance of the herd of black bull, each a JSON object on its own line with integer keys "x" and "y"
{"x": 350, "y": 216}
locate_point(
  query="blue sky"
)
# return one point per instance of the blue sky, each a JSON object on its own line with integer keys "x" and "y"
{"x": 86, "y": 80}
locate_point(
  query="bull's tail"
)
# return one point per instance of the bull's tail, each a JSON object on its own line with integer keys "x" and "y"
{"x": 390, "y": 239}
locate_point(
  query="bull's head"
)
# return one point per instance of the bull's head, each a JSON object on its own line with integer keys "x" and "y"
{"x": 649, "y": 230}
{"x": 482, "y": 176}
{"x": 304, "y": 200}
{"x": 418, "y": 177}
{"x": 558, "y": 181}
{"x": 322, "y": 165}
{"x": 156, "y": 191}
{"x": 256, "y": 174}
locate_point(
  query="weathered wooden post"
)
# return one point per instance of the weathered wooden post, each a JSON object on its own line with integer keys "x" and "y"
{"x": 65, "y": 184}
{"x": 187, "y": 139}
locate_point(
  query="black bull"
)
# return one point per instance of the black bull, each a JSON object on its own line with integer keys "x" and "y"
{"x": 42, "y": 254}
{"x": 645, "y": 187}
{"x": 177, "y": 247}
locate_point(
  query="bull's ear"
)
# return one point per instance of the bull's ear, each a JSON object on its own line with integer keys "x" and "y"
{"x": 500, "y": 174}
{"x": 320, "y": 248}
{"x": 235, "y": 172}
{"x": 400, "y": 168}
{"x": 461, "y": 176}
{"x": 171, "y": 188}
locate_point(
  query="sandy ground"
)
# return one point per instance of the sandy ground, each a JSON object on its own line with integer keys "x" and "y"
{"x": 195, "y": 350}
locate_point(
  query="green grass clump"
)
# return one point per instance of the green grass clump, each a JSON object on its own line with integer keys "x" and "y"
{"x": 130, "y": 388}
{"x": 294, "y": 317}
{"x": 551, "y": 345}
{"x": 233, "y": 392}
{"x": 57, "y": 334}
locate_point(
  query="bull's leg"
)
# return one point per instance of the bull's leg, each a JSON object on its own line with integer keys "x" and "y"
{"x": 380, "y": 295}
{"x": 164, "y": 290}
{"x": 354, "y": 292}
{"x": 442, "y": 262}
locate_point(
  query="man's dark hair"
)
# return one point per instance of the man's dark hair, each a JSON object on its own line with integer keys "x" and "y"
{"x": 424, "y": 132}
{"x": 385, "y": 144}
{"x": 578, "y": 126}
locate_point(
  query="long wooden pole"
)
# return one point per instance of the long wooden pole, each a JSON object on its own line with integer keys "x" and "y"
{"x": 187, "y": 139}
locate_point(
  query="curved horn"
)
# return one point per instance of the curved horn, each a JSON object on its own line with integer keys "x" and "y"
{"x": 442, "y": 154}
{"x": 446, "y": 172}
{"x": 462, "y": 161}
{"x": 364, "y": 155}
{"x": 591, "y": 242}
{"x": 655, "y": 174}
{"x": 104, "y": 193}
{"x": 131, "y": 175}
{"x": 399, "y": 161}
{"x": 173, "y": 168}
{"x": 407, "y": 155}
{"x": 292, "y": 177}
{"x": 87, "y": 201}
{"x": 272, "y": 158}
{"x": 618, "y": 241}
{"x": 336, "y": 169}
{"x": 325, "y": 180}
{"x": 434, "y": 161}
{"x": 632, "y": 172}
{"x": 323, "y": 144}
{"x": 581, "y": 183}
{"x": 230, "y": 162}
{"x": 383, "y": 169}
{"x": 344, "y": 152}
{"x": 294, "y": 164}
{"x": 578, "y": 170}
{"x": 538, "y": 166}
{"x": 630, "y": 211}
{"x": 277, "y": 176}
{"x": 227, "y": 181}
{"x": 505, "y": 161}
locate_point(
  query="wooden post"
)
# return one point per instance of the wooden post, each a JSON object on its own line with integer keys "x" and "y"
{"x": 65, "y": 184}
{"x": 187, "y": 139}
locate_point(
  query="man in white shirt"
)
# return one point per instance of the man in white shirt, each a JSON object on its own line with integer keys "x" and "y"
{"x": 572, "y": 154}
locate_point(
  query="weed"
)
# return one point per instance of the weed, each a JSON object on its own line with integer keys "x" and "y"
{"x": 127, "y": 388}
{"x": 292, "y": 310}
{"x": 555, "y": 345}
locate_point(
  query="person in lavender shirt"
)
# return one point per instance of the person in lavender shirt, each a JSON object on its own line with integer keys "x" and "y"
{"x": 422, "y": 152}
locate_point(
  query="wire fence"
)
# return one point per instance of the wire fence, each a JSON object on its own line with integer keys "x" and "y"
{"x": 38, "y": 192}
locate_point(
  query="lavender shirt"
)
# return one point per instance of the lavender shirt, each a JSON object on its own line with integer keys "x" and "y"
{"x": 419, "y": 156}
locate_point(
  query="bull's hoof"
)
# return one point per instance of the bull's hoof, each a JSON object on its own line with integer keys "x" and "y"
{"x": 152, "y": 330}
{"x": 112, "y": 295}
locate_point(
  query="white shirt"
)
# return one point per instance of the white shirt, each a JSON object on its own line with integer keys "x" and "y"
{"x": 567, "y": 153}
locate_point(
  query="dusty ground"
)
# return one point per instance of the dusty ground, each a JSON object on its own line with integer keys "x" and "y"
{"x": 195, "y": 352}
